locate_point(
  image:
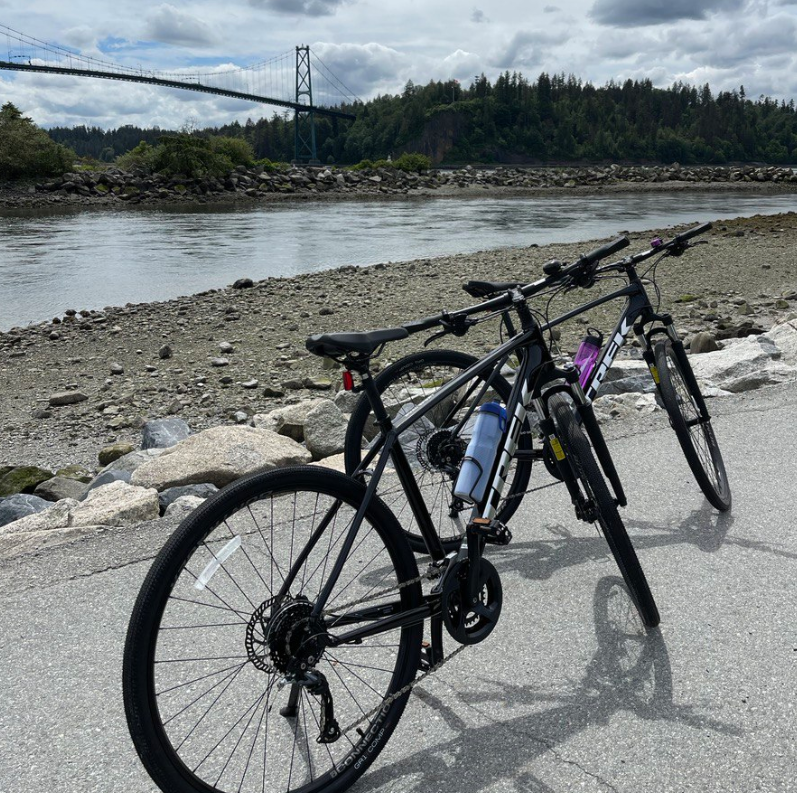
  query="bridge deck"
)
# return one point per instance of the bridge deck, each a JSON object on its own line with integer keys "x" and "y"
{"x": 207, "y": 89}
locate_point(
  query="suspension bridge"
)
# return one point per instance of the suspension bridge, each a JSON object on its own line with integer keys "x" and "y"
{"x": 297, "y": 80}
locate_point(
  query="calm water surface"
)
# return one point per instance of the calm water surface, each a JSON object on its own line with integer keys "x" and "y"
{"x": 49, "y": 263}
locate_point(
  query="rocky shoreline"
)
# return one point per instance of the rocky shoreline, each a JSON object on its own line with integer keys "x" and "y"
{"x": 113, "y": 188}
{"x": 90, "y": 378}
{"x": 234, "y": 358}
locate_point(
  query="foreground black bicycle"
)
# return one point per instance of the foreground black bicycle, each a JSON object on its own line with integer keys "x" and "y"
{"x": 408, "y": 381}
{"x": 277, "y": 635}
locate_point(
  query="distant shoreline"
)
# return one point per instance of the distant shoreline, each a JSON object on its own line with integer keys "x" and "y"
{"x": 115, "y": 190}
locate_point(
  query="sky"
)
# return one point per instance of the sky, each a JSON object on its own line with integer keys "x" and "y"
{"x": 376, "y": 46}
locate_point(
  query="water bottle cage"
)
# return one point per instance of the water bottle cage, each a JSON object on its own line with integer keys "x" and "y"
{"x": 478, "y": 478}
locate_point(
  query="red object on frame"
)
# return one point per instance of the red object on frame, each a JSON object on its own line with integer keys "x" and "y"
{"x": 348, "y": 381}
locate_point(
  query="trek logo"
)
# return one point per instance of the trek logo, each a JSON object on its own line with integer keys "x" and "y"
{"x": 611, "y": 350}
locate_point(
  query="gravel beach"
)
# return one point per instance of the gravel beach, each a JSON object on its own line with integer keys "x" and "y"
{"x": 210, "y": 355}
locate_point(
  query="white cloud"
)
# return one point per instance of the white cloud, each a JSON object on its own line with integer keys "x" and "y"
{"x": 170, "y": 25}
{"x": 375, "y": 47}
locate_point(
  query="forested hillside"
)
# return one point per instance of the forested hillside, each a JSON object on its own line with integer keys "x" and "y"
{"x": 551, "y": 120}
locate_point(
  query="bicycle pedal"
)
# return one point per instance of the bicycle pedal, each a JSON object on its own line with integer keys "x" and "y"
{"x": 493, "y": 532}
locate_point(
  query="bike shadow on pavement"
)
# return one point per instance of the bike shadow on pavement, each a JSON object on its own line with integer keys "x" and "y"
{"x": 629, "y": 672}
{"x": 540, "y": 559}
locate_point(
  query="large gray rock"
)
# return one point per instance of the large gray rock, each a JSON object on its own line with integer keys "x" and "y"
{"x": 55, "y": 517}
{"x": 347, "y": 400}
{"x": 183, "y": 506}
{"x": 116, "y": 504}
{"x": 703, "y": 342}
{"x": 129, "y": 462}
{"x": 615, "y": 406}
{"x": 288, "y": 421}
{"x": 59, "y": 487}
{"x": 20, "y": 542}
{"x": 19, "y": 505}
{"x": 784, "y": 336}
{"x": 743, "y": 365}
{"x": 105, "y": 478}
{"x": 325, "y": 430}
{"x": 201, "y": 491}
{"x": 163, "y": 433}
{"x": 220, "y": 455}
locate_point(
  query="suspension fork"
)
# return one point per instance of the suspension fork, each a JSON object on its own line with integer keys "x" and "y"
{"x": 680, "y": 355}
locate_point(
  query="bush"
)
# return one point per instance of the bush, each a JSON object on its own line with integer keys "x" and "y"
{"x": 26, "y": 150}
{"x": 189, "y": 156}
{"x": 412, "y": 163}
{"x": 408, "y": 162}
{"x": 236, "y": 150}
{"x": 142, "y": 157}
{"x": 271, "y": 167}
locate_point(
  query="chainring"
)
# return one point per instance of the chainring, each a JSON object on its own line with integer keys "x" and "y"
{"x": 475, "y": 623}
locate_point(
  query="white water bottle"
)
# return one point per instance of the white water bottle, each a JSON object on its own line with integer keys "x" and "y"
{"x": 480, "y": 454}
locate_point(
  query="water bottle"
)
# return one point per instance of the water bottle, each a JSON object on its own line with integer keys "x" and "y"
{"x": 480, "y": 454}
{"x": 587, "y": 355}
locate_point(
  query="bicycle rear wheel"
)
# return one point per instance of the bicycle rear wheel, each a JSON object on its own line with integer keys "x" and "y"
{"x": 696, "y": 436}
{"x": 216, "y": 628}
{"x": 579, "y": 452}
{"x": 433, "y": 451}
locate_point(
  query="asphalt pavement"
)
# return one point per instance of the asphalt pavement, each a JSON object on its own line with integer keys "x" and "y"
{"x": 569, "y": 693}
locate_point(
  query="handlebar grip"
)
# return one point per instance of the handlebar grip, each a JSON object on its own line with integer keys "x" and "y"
{"x": 687, "y": 235}
{"x": 417, "y": 325}
{"x": 605, "y": 250}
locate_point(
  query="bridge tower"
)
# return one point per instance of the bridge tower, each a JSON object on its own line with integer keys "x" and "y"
{"x": 304, "y": 120}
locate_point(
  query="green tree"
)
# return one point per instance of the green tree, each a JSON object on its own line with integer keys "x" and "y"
{"x": 26, "y": 150}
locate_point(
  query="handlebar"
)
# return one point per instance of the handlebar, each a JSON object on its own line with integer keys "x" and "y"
{"x": 579, "y": 273}
{"x": 687, "y": 235}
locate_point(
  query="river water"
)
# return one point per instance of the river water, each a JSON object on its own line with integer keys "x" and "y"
{"x": 93, "y": 259}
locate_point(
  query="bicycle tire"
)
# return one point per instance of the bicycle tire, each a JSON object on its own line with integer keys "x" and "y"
{"x": 582, "y": 461}
{"x": 697, "y": 439}
{"x": 407, "y": 376}
{"x": 232, "y": 622}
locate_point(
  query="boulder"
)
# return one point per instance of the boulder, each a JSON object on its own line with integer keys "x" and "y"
{"x": 201, "y": 491}
{"x": 19, "y": 505}
{"x": 335, "y": 462}
{"x": 784, "y": 336}
{"x": 346, "y": 400}
{"x": 624, "y": 405}
{"x": 116, "y": 504}
{"x": 129, "y": 462}
{"x": 183, "y": 506}
{"x": 55, "y": 516}
{"x": 163, "y": 433}
{"x": 325, "y": 430}
{"x": 113, "y": 452}
{"x": 219, "y": 455}
{"x": 77, "y": 472}
{"x": 22, "y": 479}
{"x": 743, "y": 365}
{"x": 59, "y": 487}
{"x": 288, "y": 421}
{"x": 703, "y": 342}
{"x": 105, "y": 478}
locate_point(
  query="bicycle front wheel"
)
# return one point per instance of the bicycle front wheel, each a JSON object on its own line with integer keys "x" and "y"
{"x": 696, "y": 436}
{"x": 224, "y": 617}
{"x": 431, "y": 445}
{"x": 579, "y": 452}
